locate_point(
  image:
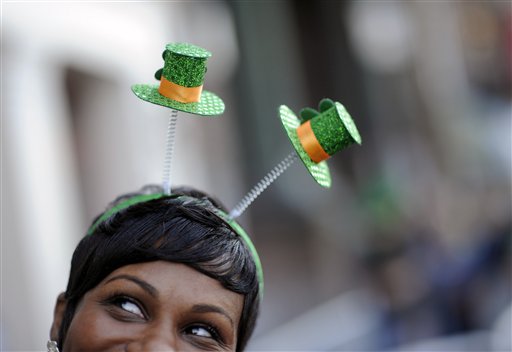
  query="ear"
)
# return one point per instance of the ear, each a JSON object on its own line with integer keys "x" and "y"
{"x": 58, "y": 315}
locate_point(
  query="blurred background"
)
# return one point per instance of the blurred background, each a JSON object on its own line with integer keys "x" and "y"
{"x": 411, "y": 247}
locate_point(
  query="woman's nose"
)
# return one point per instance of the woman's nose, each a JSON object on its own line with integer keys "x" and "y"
{"x": 158, "y": 345}
{"x": 155, "y": 340}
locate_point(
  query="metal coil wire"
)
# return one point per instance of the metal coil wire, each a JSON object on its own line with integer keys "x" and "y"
{"x": 171, "y": 132}
{"x": 262, "y": 185}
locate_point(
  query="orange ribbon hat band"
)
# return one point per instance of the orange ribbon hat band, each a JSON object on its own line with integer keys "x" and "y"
{"x": 179, "y": 93}
{"x": 310, "y": 143}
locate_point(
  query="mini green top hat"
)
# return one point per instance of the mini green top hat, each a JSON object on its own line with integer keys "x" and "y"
{"x": 181, "y": 82}
{"x": 316, "y": 136}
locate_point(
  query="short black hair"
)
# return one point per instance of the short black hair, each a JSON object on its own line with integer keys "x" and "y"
{"x": 176, "y": 229}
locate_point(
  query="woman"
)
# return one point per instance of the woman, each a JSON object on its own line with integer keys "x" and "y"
{"x": 160, "y": 273}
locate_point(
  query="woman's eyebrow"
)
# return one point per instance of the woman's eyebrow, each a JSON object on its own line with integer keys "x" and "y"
{"x": 208, "y": 308}
{"x": 143, "y": 284}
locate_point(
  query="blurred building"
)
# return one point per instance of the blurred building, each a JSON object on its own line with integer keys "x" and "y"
{"x": 410, "y": 248}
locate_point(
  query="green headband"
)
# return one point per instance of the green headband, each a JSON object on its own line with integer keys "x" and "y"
{"x": 141, "y": 198}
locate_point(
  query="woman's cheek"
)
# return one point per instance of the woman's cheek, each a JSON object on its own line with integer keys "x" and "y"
{"x": 94, "y": 329}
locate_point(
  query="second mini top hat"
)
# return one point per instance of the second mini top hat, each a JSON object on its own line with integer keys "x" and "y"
{"x": 317, "y": 135}
{"x": 181, "y": 82}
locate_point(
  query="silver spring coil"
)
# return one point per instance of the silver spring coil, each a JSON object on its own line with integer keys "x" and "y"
{"x": 262, "y": 185}
{"x": 171, "y": 132}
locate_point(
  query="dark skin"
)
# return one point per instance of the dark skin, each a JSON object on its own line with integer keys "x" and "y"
{"x": 154, "y": 306}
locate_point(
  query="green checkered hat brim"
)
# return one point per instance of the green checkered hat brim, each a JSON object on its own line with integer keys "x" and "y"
{"x": 208, "y": 105}
{"x": 291, "y": 122}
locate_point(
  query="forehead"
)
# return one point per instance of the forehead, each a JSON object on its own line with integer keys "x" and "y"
{"x": 175, "y": 280}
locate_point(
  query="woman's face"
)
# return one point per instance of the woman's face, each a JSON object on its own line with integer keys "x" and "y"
{"x": 156, "y": 306}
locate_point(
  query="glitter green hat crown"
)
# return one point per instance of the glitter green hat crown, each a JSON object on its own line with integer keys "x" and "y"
{"x": 181, "y": 82}
{"x": 317, "y": 135}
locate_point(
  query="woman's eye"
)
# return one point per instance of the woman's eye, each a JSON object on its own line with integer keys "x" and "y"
{"x": 128, "y": 305}
{"x": 131, "y": 307}
{"x": 205, "y": 337}
{"x": 204, "y": 331}
{"x": 200, "y": 331}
